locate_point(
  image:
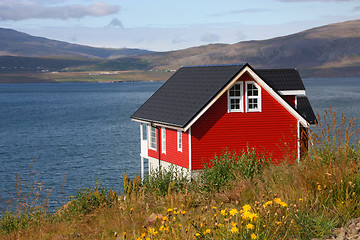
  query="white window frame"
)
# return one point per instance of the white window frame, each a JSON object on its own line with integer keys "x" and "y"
{"x": 241, "y": 98}
{"x": 259, "y": 98}
{"x": 152, "y": 140}
{"x": 163, "y": 140}
{"x": 179, "y": 141}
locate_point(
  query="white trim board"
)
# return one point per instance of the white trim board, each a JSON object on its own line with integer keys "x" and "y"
{"x": 293, "y": 92}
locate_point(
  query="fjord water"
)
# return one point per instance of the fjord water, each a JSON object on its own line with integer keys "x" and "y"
{"x": 76, "y": 133}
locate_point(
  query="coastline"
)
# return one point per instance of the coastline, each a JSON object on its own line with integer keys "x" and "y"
{"x": 89, "y": 76}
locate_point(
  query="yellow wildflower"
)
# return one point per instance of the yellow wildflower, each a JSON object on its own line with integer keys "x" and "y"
{"x": 197, "y": 234}
{"x": 246, "y": 208}
{"x": 254, "y": 216}
{"x": 162, "y": 228}
{"x": 300, "y": 199}
{"x": 183, "y": 212}
{"x": 165, "y": 218}
{"x": 278, "y": 223}
{"x": 207, "y": 231}
{"x": 247, "y": 215}
{"x": 214, "y": 208}
{"x": 234, "y": 230}
{"x": 176, "y": 212}
{"x": 170, "y": 210}
{"x": 233, "y": 212}
{"x": 250, "y": 226}
{"x": 267, "y": 203}
{"x": 152, "y": 231}
{"x": 233, "y": 224}
{"x": 143, "y": 235}
{"x": 277, "y": 200}
{"x": 253, "y": 236}
{"x": 284, "y": 205}
{"x": 223, "y": 212}
{"x": 221, "y": 225}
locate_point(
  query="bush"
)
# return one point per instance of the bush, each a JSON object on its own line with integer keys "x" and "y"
{"x": 162, "y": 181}
{"x": 89, "y": 199}
{"x": 222, "y": 170}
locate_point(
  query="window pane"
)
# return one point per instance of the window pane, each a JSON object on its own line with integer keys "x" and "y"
{"x": 153, "y": 137}
{"x": 235, "y": 104}
{"x": 253, "y": 103}
{"x": 235, "y": 91}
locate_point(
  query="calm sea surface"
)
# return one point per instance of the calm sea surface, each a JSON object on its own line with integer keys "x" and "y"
{"x": 74, "y": 134}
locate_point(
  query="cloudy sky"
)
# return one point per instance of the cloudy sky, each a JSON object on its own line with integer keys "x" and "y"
{"x": 163, "y": 25}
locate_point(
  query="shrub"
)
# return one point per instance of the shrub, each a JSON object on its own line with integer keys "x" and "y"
{"x": 162, "y": 181}
{"x": 91, "y": 198}
{"x": 222, "y": 170}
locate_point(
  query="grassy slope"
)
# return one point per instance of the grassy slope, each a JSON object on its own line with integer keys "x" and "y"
{"x": 327, "y": 51}
{"x": 231, "y": 201}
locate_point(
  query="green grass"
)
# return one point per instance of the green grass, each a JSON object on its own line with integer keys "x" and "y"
{"x": 239, "y": 197}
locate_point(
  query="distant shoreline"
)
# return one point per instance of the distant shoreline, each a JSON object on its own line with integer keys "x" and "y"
{"x": 85, "y": 77}
{"x": 130, "y": 76}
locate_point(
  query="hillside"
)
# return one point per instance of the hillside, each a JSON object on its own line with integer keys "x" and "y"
{"x": 328, "y": 51}
{"x": 14, "y": 43}
{"x": 331, "y": 50}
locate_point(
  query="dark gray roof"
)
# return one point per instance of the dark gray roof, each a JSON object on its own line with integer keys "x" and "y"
{"x": 185, "y": 94}
{"x": 190, "y": 89}
{"x": 305, "y": 109}
{"x": 281, "y": 79}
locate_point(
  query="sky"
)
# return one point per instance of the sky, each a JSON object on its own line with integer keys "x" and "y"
{"x": 164, "y": 25}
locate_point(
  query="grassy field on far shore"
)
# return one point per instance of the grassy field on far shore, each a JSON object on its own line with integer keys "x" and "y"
{"x": 95, "y": 76}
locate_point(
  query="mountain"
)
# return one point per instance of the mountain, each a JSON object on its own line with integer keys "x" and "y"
{"x": 14, "y": 43}
{"x": 328, "y": 51}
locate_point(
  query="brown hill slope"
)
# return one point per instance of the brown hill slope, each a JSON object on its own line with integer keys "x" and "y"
{"x": 14, "y": 43}
{"x": 331, "y": 50}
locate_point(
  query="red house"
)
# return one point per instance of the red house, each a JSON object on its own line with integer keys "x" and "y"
{"x": 203, "y": 110}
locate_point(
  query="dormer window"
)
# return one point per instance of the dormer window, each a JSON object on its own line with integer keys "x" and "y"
{"x": 235, "y": 98}
{"x": 253, "y": 97}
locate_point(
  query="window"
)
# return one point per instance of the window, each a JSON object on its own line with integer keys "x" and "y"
{"x": 253, "y": 97}
{"x": 163, "y": 138}
{"x": 179, "y": 141}
{"x": 152, "y": 143}
{"x": 235, "y": 98}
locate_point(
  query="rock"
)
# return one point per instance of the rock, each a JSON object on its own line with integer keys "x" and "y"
{"x": 351, "y": 231}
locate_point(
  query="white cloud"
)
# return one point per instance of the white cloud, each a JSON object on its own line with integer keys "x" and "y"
{"x": 20, "y": 10}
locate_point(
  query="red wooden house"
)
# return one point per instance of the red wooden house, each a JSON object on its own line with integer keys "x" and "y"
{"x": 202, "y": 110}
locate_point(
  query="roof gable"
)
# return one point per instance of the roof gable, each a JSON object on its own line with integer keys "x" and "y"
{"x": 185, "y": 94}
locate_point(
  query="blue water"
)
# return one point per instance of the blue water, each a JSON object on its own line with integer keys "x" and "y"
{"x": 77, "y": 132}
{"x": 74, "y": 134}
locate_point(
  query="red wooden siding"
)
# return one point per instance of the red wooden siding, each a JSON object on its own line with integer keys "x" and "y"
{"x": 172, "y": 155}
{"x": 290, "y": 99}
{"x": 272, "y": 131}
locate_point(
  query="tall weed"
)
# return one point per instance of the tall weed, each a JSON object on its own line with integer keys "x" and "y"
{"x": 222, "y": 170}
